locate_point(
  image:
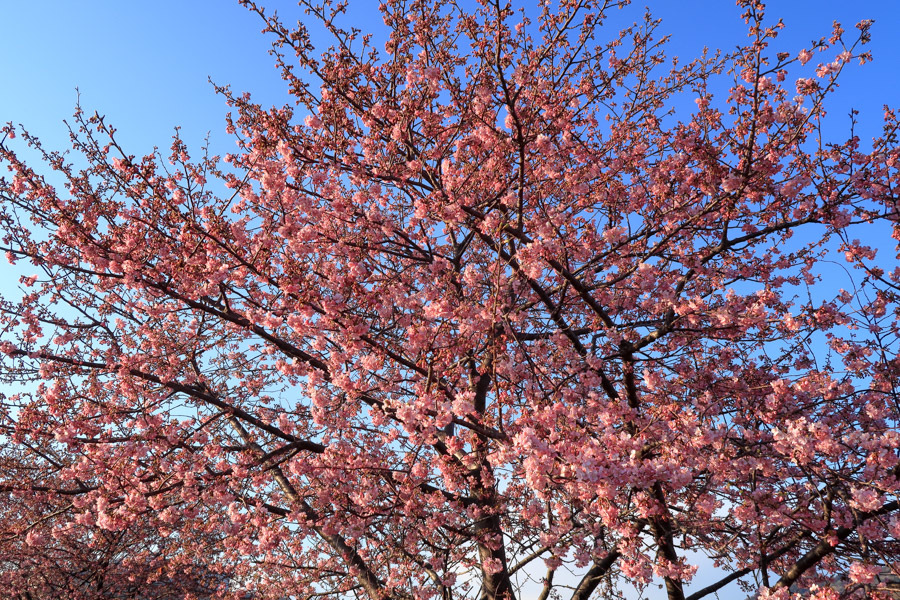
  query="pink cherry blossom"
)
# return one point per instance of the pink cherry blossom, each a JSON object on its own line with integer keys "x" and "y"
{"x": 476, "y": 312}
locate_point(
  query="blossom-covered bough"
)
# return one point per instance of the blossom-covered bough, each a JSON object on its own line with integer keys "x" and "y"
{"x": 479, "y": 317}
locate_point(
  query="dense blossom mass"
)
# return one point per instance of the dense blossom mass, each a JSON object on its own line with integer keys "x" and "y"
{"x": 479, "y": 316}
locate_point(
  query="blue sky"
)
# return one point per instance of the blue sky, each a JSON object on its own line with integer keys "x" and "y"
{"x": 145, "y": 64}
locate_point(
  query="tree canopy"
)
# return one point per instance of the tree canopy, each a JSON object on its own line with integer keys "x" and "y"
{"x": 481, "y": 315}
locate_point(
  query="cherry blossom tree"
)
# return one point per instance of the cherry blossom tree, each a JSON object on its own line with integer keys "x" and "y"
{"x": 480, "y": 316}
{"x": 52, "y": 551}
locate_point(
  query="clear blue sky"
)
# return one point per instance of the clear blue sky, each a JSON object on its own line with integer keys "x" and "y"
{"x": 145, "y": 64}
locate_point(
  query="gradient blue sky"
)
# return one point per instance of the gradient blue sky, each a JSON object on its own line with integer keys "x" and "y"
{"x": 145, "y": 64}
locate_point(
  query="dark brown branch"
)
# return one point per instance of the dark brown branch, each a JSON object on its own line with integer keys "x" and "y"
{"x": 825, "y": 547}
{"x": 595, "y": 574}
